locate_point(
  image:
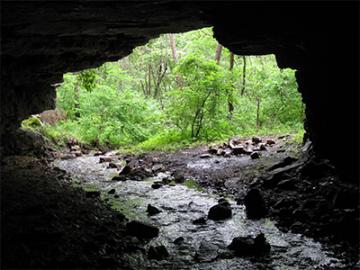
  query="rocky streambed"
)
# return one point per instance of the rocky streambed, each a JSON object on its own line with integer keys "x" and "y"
{"x": 186, "y": 237}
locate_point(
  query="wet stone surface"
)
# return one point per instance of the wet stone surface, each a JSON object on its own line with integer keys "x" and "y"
{"x": 202, "y": 246}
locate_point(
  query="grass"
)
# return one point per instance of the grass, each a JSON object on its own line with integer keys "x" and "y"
{"x": 192, "y": 184}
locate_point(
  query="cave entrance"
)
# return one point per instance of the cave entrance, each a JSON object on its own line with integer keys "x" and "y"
{"x": 176, "y": 90}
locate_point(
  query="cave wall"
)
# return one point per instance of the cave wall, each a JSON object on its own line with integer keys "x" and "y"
{"x": 42, "y": 40}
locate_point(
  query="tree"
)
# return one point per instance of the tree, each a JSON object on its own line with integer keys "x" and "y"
{"x": 173, "y": 47}
{"x": 243, "y": 75}
{"x": 218, "y": 53}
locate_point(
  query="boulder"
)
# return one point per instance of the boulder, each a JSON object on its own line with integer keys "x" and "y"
{"x": 248, "y": 246}
{"x": 212, "y": 151}
{"x": 112, "y": 165}
{"x": 178, "y": 177}
{"x": 157, "y": 185}
{"x": 205, "y": 155}
{"x": 270, "y": 142}
{"x": 158, "y": 168}
{"x": 77, "y": 153}
{"x": 112, "y": 191}
{"x": 262, "y": 147}
{"x": 207, "y": 252}
{"x": 105, "y": 159}
{"x": 119, "y": 178}
{"x": 141, "y": 229}
{"x": 220, "y": 152}
{"x": 256, "y": 140}
{"x": 255, "y": 204}
{"x": 220, "y": 211}
{"x": 199, "y": 221}
{"x": 254, "y": 155}
{"x": 179, "y": 240}
{"x": 152, "y": 210}
{"x": 158, "y": 253}
{"x": 238, "y": 150}
{"x": 125, "y": 170}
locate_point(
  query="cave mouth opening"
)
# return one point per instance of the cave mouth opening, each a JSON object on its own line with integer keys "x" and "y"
{"x": 177, "y": 90}
{"x": 316, "y": 207}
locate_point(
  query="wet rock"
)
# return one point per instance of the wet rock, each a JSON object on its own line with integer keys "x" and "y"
{"x": 158, "y": 168}
{"x": 77, "y": 153}
{"x": 178, "y": 177}
{"x": 205, "y": 156}
{"x": 255, "y": 204}
{"x": 285, "y": 162}
{"x": 212, "y": 151}
{"x": 287, "y": 184}
{"x": 238, "y": 150}
{"x": 256, "y": 140}
{"x": 158, "y": 253}
{"x": 112, "y": 191}
{"x": 125, "y": 170}
{"x": 199, "y": 221}
{"x": 233, "y": 142}
{"x": 207, "y": 252}
{"x": 152, "y": 210}
{"x": 112, "y": 165}
{"x": 119, "y": 178}
{"x": 92, "y": 194}
{"x": 297, "y": 227}
{"x": 270, "y": 142}
{"x": 75, "y": 148}
{"x": 141, "y": 229}
{"x": 179, "y": 240}
{"x": 105, "y": 159}
{"x": 99, "y": 153}
{"x": 157, "y": 185}
{"x": 223, "y": 201}
{"x": 254, "y": 155}
{"x": 247, "y": 246}
{"x": 220, "y": 211}
{"x": 220, "y": 152}
{"x": 227, "y": 153}
{"x": 262, "y": 147}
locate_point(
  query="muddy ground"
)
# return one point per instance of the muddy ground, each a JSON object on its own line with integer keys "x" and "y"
{"x": 49, "y": 223}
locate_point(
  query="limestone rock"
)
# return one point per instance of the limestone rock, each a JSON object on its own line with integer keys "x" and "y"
{"x": 245, "y": 246}
{"x": 255, "y": 204}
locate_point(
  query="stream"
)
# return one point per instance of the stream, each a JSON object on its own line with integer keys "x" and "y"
{"x": 204, "y": 246}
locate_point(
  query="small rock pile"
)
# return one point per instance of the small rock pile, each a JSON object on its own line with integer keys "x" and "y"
{"x": 236, "y": 146}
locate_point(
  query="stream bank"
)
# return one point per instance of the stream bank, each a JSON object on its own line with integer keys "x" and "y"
{"x": 68, "y": 226}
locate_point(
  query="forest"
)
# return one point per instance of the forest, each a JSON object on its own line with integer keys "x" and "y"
{"x": 177, "y": 90}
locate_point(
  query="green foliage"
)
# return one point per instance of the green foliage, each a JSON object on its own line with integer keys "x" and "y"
{"x": 197, "y": 107}
{"x": 147, "y": 101}
{"x": 192, "y": 184}
{"x": 32, "y": 122}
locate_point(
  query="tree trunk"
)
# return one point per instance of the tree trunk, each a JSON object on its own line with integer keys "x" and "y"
{"x": 231, "y": 66}
{"x": 244, "y": 76}
{"x": 258, "y": 113}
{"x": 77, "y": 98}
{"x": 230, "y": 104}
{"x": 218, "y": 53}
{"x": 149, "y": 80}
{"x": 173, "y": 47}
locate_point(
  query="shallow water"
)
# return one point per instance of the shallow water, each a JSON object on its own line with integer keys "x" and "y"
{"x": 204, "y": 246}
